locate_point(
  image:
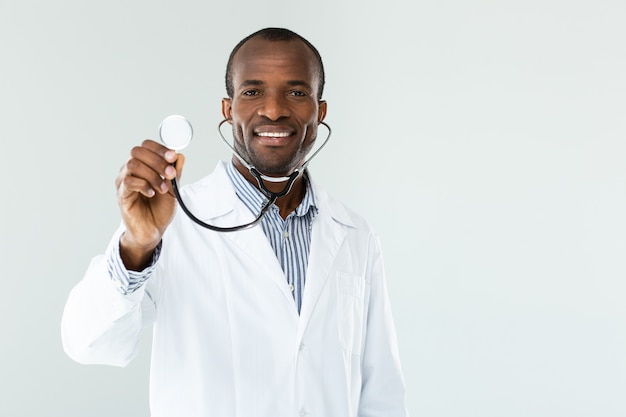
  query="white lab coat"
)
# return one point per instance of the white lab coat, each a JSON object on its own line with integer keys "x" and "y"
{"x": 228, "y": 341}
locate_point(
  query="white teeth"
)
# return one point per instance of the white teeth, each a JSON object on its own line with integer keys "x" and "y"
{"x": 274, "y": 134}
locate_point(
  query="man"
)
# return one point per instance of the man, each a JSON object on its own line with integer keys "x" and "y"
{"x": 287, "y": 318}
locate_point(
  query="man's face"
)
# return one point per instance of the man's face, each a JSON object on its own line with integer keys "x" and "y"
{"x": 274, "y": 109}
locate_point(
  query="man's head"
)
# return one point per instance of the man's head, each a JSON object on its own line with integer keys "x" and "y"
{"x": 275, "y": 35}
{"x": 275, "y": 79}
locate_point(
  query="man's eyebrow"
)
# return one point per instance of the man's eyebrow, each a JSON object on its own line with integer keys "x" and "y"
{"x": 248, "y": 83}
{"x": 298, "y": 83}
{"x": 293, "y": 83}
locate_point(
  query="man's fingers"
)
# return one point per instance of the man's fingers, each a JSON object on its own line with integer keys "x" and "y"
{"x": 132, "y": 185}
{"x": 159, "y": 160}
{"x": 167, "y": 154}
{"x": 149, "y": 170}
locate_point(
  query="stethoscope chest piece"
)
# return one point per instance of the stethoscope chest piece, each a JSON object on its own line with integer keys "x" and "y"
{"x": 175, "y": 132}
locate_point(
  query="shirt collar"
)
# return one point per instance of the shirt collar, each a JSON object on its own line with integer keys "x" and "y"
{"x": 254, "y": 199}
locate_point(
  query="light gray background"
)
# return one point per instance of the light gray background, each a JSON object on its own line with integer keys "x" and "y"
{"x": 484, "y": 140}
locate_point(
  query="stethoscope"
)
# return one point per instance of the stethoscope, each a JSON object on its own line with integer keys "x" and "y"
{"x": 176, "y": 133}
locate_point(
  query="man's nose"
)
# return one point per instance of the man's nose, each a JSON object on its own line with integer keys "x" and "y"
{"x": 274, "y": 107}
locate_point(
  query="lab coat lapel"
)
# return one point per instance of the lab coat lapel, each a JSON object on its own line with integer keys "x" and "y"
{"x": 217, "y": 203}
{"x": 255, "y": 245}
{"x": 330, "y": 228}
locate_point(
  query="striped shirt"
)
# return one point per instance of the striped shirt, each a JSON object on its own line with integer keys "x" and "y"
{"x": 289, "y": 238}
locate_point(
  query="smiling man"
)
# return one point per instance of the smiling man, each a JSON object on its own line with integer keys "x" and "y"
{"x": 290, "y": 318}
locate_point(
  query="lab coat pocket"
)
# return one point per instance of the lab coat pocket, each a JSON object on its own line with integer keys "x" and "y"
{"x": 350, "y": 298}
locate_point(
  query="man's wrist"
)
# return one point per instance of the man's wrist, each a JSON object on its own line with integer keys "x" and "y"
{"x": 127, "y": 280}
{"x": 135, "y": 257}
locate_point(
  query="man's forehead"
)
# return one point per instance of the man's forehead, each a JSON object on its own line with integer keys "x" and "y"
{"x": 259, "y": 58}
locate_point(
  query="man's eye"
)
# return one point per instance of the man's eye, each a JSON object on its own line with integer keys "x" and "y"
{"x": 298, "y": 93}
{"x": 250, "y": 93}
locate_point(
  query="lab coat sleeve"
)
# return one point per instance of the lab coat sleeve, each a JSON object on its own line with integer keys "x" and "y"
{"x": 100, "y": 325}
{"x": 383, "y": 389}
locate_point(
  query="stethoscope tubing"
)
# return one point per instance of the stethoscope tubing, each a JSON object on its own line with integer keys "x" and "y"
{"x": 272, "y": 197}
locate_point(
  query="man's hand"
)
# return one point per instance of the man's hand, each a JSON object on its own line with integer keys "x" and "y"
{"x": 146, "y": 200}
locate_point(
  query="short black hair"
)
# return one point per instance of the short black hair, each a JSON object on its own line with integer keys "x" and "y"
{"x": 275, "y": 34}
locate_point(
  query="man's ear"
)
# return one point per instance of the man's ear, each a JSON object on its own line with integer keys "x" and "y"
{"x": 321, "y": 111}
{"x": 227, "y": 108}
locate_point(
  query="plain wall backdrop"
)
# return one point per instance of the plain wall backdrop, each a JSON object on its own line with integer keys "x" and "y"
{"x": 484, "y": 140}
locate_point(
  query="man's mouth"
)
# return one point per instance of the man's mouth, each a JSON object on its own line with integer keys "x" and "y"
{"x": 273, "y": 134}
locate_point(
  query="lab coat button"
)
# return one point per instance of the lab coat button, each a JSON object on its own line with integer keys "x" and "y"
{"x": 302, "y": 346}
{"x": 303, "y": 413}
